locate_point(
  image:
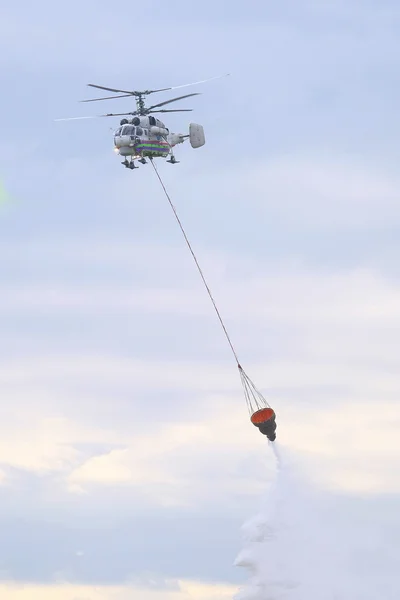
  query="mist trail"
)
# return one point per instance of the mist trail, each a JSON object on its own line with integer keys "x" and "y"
{"x": 260, "y": 533}
{"x": 275, "y": 450}
{"x": 285, "y": 544}
{"x": 304, "y": 545}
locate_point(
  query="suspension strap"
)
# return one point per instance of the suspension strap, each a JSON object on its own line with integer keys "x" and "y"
{"x": 254, "y": 399}
{"x": 198, "y": 267}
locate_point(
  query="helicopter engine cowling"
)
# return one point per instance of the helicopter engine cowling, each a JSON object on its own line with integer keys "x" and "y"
{"x": 158, "y": 131}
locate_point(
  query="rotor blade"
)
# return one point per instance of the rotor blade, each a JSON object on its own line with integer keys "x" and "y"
{"x": 166, "y": 110}
{"x": 101, "y": 87}
{"x": 107, "y": 98}
{"x": 76, "y": 118}
{"x": 92, "y": 117}
{"x": 176, "y": 87}
{"x": 126, "y": 93}
{"x": 131, "y": 93}
{"x": 120, "y": 114}
{"x": 173, "y": 100}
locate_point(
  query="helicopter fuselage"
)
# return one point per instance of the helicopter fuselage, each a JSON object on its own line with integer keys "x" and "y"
{"x": 145, "y": 136}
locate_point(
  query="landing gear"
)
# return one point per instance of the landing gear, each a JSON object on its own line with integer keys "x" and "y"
{"x": 129, "y": 164}
{"x": 143, "y": 161}
{"x": 173, "y": 160}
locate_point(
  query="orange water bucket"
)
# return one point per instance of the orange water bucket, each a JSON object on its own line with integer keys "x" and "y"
{"x": 262, "y": 416}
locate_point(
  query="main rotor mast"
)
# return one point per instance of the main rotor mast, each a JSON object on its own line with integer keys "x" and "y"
{"x": 140, "y": 104}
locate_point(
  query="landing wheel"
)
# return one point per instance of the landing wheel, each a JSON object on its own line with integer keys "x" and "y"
{"x": 129, "y": 164}
{"x": 173, "y": 160}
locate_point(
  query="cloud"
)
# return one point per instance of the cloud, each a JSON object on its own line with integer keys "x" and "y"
{"x": 346, "y": 294}
{"x": 65, "y": 591}
{"x": 349, "y": 443}
{"x": 340, "y": 192}
{"x": 331, "y": 373}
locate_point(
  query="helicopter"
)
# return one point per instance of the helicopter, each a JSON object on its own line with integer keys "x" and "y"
{"x": 140, "y": 135}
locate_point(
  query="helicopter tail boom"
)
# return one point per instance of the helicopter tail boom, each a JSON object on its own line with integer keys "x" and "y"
{"x": 195, "y": 135}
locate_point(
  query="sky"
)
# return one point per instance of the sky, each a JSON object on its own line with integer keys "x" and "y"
{"x": 128, "y": 463}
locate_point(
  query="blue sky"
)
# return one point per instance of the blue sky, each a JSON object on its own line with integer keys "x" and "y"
{"x": 127, "y": 461}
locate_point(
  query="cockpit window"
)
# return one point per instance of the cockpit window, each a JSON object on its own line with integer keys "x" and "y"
{"x": 118, "y": 132}
{"x": 139, "y": 131}
{"x": 128, "y": 130}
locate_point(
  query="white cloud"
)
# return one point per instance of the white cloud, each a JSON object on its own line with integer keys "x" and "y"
{"x": 350, "y": 446}
{"x": 34, "y": 442}
{"x": 351, "y": 297}
{"x": 337, "y": 332}
{"x": 323, "y": 193}
{"x": 186, "y": 590}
